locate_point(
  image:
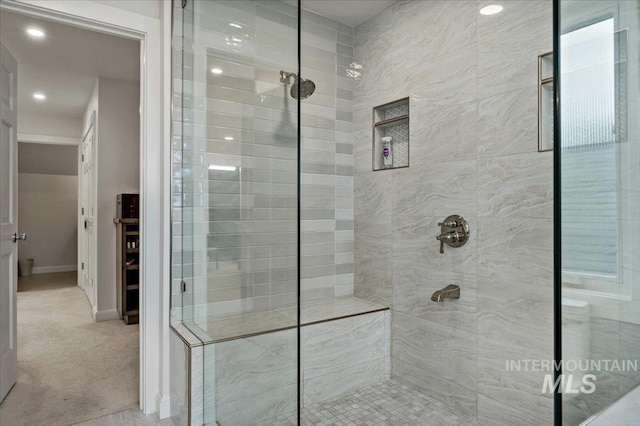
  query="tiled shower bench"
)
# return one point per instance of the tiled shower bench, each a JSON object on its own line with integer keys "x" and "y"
{"x": 241, "y": 369}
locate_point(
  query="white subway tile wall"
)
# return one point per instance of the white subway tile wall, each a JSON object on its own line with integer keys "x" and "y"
{"x": 235, "y": 176}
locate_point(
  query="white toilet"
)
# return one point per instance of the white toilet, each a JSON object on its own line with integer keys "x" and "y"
{"x": 576, "y": 338}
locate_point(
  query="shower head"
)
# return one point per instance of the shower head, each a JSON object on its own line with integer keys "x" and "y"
{"x": 304, "y": 87}
{"x": 307, "y": 87}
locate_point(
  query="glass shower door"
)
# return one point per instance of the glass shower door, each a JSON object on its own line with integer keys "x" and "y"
{"x": 239, "y": 171}
{"x": 599, "y": 148}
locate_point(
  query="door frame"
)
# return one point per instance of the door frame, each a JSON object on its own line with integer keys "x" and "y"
{"x": 155, "y": 97}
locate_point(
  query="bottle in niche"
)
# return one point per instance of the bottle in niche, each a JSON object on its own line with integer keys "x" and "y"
{"x": 387, "y": 152}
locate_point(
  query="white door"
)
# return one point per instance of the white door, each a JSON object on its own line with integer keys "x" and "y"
{"x": 87, "y": 213}
{"x": 8, "y": 222}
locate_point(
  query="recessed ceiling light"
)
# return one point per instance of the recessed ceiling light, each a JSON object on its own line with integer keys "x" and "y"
{"x": 222, "y": 168}
{"x": 216, "y": 71}
{"x": 228, "y": 138}
{"x": 234, "y": 25}
{"x": 39, "y": 96}
{"x": 35, "y": 33}
{"x": 492, "y": 9}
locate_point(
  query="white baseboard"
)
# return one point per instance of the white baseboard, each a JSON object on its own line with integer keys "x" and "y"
{"x": 108, "y": 315}
{"x": 163, "y": 407}
{"x": 53, "y": 269}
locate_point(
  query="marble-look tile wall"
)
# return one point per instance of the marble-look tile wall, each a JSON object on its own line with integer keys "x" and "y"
{"x": 187, "y": 380}
{"x": 248, "y": 380}
{"x": 178, "y": 381}
{"x": 235, "y": 158}
{"x": 472, "y": 81}
{"x": 255, "y": 378}
{"x": 343, "y": 355}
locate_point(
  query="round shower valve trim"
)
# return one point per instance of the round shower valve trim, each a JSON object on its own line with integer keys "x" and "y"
{"x": 454, "y": 231}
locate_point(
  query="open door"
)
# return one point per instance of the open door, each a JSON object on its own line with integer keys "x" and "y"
{"x": 86, "y": 233}
{"x": 8, "y": 222}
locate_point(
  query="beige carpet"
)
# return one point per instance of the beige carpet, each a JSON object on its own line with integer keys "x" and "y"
{"x": 70, "y": 369}
{"x": 47, "y": 281}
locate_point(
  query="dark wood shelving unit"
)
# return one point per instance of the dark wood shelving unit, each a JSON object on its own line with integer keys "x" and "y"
{"x": 128, "y": 264}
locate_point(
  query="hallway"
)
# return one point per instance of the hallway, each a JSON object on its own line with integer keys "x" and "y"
{"x": 70, "y": 368}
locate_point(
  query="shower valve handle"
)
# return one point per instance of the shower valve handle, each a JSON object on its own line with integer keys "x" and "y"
{"x": 454, "y": 231}
{"x": 449, "y": 238}
{"x": 449, "y": 223}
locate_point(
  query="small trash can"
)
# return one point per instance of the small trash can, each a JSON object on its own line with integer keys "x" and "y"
{"x": 25, "y": 267}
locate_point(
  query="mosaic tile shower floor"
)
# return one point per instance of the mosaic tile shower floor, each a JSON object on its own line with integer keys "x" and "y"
{"x": 388, "y": 403}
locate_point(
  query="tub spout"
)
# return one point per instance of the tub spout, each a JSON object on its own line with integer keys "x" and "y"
{"x": 451, "y": 291}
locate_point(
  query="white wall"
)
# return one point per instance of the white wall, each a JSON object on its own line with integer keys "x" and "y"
{"x": 47, "y": 214}
{"x": 49, "y": 125}
{"x": 117, "y": 105}
{"x": 149, "y": 8}
{"x": 91, "y": 107}
{"x": 47, "y": 199}
{"x": 118, "y": 172}
{"x": 48, "y": 159}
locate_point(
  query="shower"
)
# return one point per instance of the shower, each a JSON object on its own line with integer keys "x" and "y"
{"x": 307, "y": 87}
{"x": 310, "y": 284}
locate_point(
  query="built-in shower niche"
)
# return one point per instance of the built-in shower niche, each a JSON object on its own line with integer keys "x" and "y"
{"x": 390, "y": 148}
{"x": 545, "y": 102}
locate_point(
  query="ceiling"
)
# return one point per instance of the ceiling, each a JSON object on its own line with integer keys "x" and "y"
{"x": 349, "y": 12}
{"x": 64, "y": 64}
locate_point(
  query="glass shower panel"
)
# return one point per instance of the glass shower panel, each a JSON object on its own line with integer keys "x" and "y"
{"x": 600, "y": 173}
{"x": 188, "y": 170}
{"x": 240, "y": 205}
{"x": 176, "y": 165}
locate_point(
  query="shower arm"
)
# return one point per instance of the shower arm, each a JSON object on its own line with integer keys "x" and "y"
{"x": 285, "y": 77}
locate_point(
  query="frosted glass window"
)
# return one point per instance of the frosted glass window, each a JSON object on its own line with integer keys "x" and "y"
{"x": 589, "y": 150}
